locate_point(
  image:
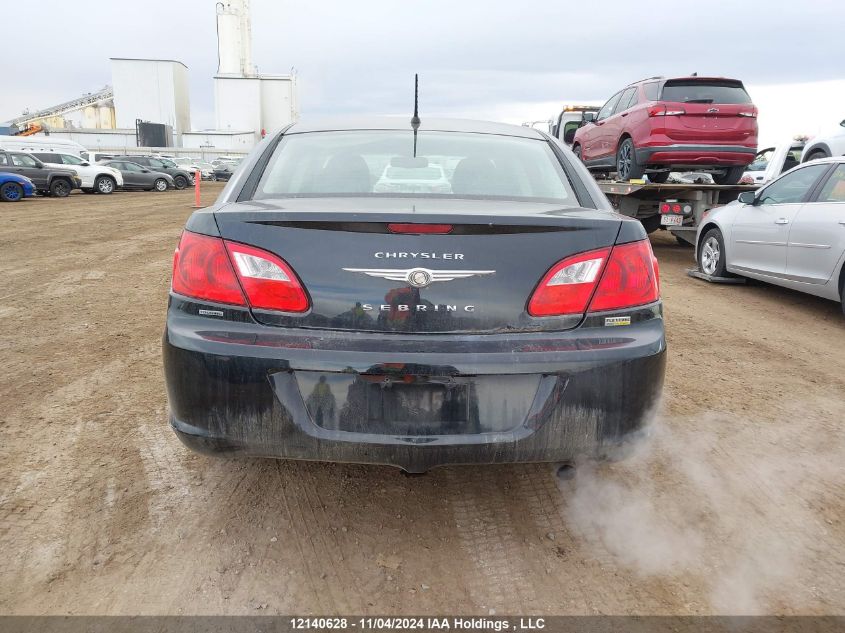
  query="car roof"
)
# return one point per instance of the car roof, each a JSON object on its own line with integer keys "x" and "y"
{"x": 404, "y": 123}
{"x": 687, "y": 78}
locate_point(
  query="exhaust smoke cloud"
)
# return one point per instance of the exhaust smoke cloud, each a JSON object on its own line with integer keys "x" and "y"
{"x": 743, "y": 517}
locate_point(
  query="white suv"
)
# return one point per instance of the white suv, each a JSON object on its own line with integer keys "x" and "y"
{"x": 832, "y": 144}
{"x": 95, "y": 178}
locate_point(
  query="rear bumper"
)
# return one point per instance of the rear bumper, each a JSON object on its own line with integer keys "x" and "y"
{"x": 701, "y": 155}
{"x": 255, "y": 390}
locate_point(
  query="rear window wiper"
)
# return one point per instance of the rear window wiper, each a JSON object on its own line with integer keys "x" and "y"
{"x": 699, "y": 101}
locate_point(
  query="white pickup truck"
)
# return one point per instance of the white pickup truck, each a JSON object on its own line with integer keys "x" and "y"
{"x": 771, "y": 162}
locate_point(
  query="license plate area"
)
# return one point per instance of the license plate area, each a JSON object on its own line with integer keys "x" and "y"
{"x": 417, "y": 405}
{"x": 420, "y": 402}
{"x": 671, "y": 220}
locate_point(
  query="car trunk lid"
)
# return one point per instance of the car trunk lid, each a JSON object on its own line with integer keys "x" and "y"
{"x": 362, "y": 276}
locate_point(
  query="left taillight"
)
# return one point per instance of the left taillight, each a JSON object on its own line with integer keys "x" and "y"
{"x": 662, "y": 110}
{"x": 202, "y": 270}
{"x": 217, "y": 270}
{"x": 621, "y": 277}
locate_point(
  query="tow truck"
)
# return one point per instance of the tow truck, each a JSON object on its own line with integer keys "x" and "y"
{"x": 570, "y": 118}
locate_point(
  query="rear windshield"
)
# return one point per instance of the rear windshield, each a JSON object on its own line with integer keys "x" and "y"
{"x": 381, "y": 163}
{"x": 691, "y": 91}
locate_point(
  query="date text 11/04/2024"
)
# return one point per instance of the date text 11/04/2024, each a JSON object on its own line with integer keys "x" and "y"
{"x": 419, "y": 624}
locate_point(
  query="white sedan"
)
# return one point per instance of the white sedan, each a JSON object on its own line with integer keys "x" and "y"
{"x": 790, "y": 233}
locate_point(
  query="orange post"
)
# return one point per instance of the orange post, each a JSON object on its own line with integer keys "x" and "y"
{"x": 197, "y": 180}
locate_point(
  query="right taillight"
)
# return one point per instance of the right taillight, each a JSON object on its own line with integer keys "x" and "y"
{"x": 568, "y": 286}
{"x": 629, "y": 279}
{"x": 605, "y": 279}
{"x": 267, "y": 280}
{"x": 213, "y": 269}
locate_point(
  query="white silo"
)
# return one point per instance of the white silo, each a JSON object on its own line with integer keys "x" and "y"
{"x": 234, "y": 39}
{"x": 245, "y": 101}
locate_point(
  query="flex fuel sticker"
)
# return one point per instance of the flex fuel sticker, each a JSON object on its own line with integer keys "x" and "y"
{"x": 614, "y": 321}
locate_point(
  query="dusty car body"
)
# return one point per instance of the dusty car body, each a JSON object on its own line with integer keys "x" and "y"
{"x": 513, "y": 318}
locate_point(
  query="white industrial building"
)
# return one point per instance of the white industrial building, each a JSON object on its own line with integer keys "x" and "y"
{"x": 154, "y": 90}
{"x": 263, "y": 103}
{"x": 247, "y": 104}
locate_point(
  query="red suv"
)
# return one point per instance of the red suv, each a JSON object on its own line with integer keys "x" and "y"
{"x": 657, "y": 125}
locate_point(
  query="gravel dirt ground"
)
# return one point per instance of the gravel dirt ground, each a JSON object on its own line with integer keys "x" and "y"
{"x": 736, "y": 505}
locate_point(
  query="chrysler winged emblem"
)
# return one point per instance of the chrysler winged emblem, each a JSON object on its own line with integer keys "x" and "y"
{"x": 418, "y": 277}
{"x": 712, "y": 110}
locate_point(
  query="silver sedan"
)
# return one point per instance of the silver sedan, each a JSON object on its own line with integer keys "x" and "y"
{"x": 790, "y": 233}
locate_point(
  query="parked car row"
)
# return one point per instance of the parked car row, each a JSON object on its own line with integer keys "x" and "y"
{"x": 56, "y": 181}
{"x": 55, "y": 170}
{"x": 221, "y": 168}
{"x": 99, "y": 178}
{"x": 57, "y": 174}
{"x": 98, "y": 172}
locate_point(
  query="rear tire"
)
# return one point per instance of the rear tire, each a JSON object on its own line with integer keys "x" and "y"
{"x": 160, "y": 184}
{"x": 11, "y": 192}
{"x": 842, "y": 291}
{"x": 576, "y": 149}
{"x": 651, "y": 223}
{"x": 60, "y": 188}
{"x": 180, "y": 182}
{"x": 104, "y": 184}
{"x": 627, "y": 167}
{"x": 815, "y": 155}
{"x": 711, "y": 255}
{"x": 731, "y": 176}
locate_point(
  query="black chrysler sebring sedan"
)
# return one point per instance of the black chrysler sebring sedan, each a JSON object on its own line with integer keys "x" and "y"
{"x": 461, "y": 293}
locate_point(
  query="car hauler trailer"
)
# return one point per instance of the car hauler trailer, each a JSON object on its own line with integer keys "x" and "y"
{"x": 678, "y": 208}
